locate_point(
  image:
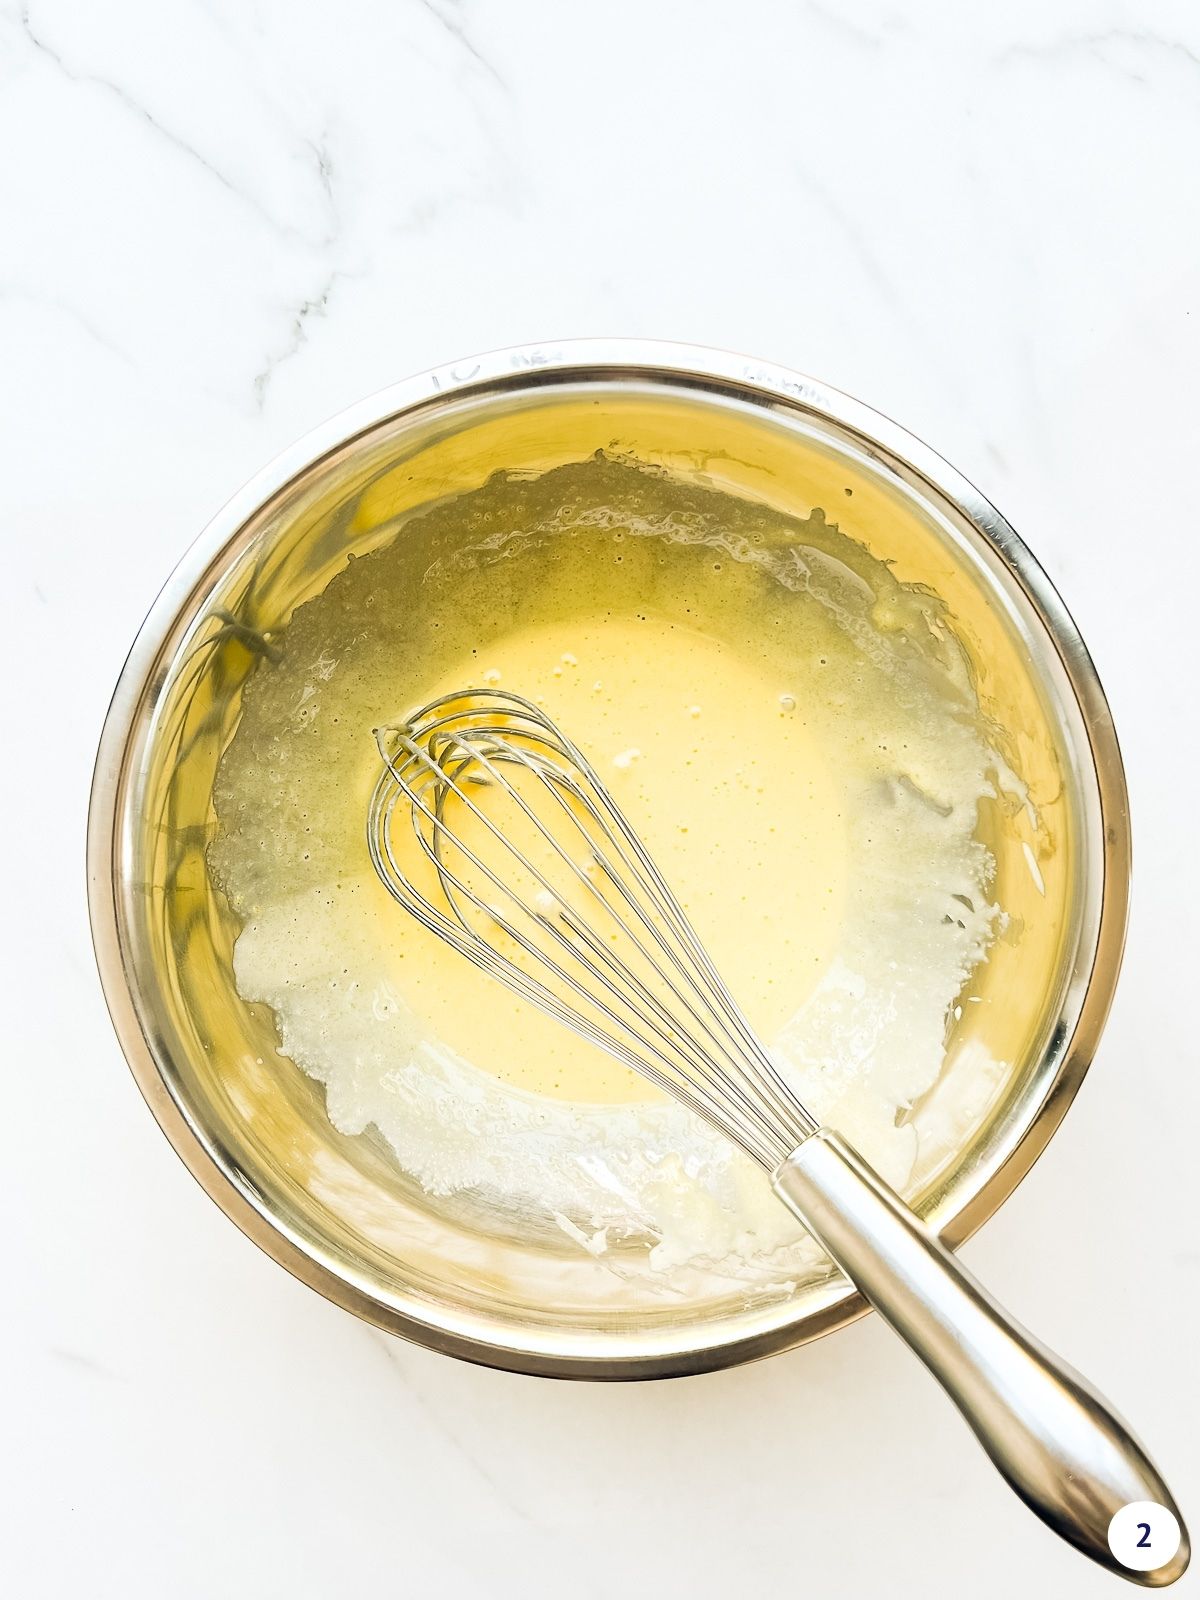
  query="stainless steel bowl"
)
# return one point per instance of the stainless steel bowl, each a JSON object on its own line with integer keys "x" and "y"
{"x": 253, "y": 1130}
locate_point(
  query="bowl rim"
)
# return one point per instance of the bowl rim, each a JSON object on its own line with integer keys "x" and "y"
{"x": 521, "y": 367}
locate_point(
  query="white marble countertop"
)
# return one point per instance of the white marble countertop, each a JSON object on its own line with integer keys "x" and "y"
{"x": 222, "y": 220}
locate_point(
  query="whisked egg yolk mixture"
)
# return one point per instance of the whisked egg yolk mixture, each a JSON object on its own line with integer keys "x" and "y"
{"x": 794, "y": 737}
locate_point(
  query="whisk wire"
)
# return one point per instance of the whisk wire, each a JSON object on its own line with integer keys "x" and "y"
{"x": 648, "y": 992}
{"x": 461, "y": 937}
{"x": 618, "y": 970}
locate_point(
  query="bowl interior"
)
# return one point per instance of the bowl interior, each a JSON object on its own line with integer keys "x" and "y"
{"x": 338, "y": 1209}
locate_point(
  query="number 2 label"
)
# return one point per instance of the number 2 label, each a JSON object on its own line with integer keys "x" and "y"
{"x": 1144, "y": 1536}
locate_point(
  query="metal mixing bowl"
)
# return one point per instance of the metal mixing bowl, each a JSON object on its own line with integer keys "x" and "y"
{"x": 252, "y": 1128}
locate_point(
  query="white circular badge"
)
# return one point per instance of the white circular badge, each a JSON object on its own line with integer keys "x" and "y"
{"x": 1143, "y": 1535}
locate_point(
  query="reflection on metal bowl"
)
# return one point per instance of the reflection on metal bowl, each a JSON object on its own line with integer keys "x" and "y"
{"x": 337, "y": 1211}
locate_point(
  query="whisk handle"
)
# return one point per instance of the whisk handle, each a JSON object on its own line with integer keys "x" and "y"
{"x": 1058, "y": 1443}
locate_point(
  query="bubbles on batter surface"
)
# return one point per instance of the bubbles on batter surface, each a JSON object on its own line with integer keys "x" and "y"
{"x": 863, "y": 696}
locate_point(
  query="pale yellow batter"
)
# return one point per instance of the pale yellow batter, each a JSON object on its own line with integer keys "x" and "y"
{"x": 789, "y": 730}
{"x": 704, "y": 751}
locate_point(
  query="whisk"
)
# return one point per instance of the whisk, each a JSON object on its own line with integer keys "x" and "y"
{"x": 492, "y": 828}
